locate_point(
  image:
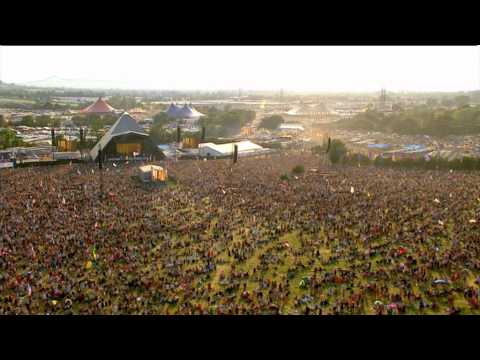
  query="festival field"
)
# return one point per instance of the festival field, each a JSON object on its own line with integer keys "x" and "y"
{"x": 236, "y": 239}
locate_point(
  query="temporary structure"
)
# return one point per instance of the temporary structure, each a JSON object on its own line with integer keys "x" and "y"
{"x": 98, "y": 107}
{"x": 190, "y": 143}
{"x": 125, "y": 138}
{"x": 153, "y": 173}
{"x": 244, "y": 148}
{"x": 291, "y": 127}
{"x": 185, "y": 112}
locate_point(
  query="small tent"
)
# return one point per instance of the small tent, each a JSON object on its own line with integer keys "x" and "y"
{"x": 153, "y": 173}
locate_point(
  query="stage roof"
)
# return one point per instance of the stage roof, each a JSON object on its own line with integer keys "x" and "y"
{"x": 124, "y": 125}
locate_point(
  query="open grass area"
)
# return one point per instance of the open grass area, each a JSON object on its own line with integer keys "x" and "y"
{"x": 4, "y": 101}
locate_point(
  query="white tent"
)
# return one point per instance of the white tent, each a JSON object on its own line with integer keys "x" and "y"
{"x": 291, "y": 126}
{"x": 244, "y": 147}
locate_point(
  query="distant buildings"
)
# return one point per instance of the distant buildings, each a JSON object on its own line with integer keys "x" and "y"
{"x": 345, "y": 111}
{"x": 314, "y": 113}
{"x": 291, "y": 128}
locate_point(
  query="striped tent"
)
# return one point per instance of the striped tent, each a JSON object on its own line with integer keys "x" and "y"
{"x": 98, "y": 107}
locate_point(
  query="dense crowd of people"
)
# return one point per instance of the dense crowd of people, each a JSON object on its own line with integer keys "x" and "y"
{"x": 238, "y": 239}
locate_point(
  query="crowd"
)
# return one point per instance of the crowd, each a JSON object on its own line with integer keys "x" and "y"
{"x": 237, "y": 239}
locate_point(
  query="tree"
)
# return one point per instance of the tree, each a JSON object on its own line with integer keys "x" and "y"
{"x": 271, "y": 122}
{"x": 468, "y": 163}
{"x": 431, "y": 102}
{"x": 160, "y": 135}
{"x": 406, "y": 126}
{"x": 226, "y": 123}
{"x": 96, "y": 124}
{"x": 162, "y": 119}
{"x": 108, "y": 119}
{"x": 299, "y": 169}
{"x": 462, "y": 100}
{"x": 80, "y": 120}
{"x": 447, "y": 102}
{"x": 8, "y": 138}
{"x": 420, "y": 120}
{"x": 337, "y": 151}
{"x": 47, "y": 121}
{"x": 319, "y": 149}
{"x": 123, "y": 102}
{"x": 27, "y": 121}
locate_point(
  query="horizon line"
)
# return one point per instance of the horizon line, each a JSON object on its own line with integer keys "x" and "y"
{"x": 133, "y": 88}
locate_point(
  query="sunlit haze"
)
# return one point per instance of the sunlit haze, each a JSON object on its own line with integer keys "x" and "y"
{"x": 295, "y": 68}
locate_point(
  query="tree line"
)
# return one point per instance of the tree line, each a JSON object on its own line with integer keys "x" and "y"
{"x": 464, "y": 120}
{"x": 218, "y": 123}
{"x": 338, "y": 154}
{"x": 226, "y": 123}
{"x": 271, "y": 122}
{"x": 466, "y": 163}
{"x": 9, "y": 138}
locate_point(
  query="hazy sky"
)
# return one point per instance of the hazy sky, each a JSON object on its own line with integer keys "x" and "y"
{"x": 299, "y": 68}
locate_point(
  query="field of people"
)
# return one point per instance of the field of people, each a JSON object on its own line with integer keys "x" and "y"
{"x": 239, "y": 239}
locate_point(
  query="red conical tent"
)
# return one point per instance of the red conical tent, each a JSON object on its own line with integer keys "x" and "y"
{"x": 98, "y": 107}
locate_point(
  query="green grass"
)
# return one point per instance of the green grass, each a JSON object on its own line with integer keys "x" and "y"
{"x": 16, "y": 101}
